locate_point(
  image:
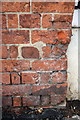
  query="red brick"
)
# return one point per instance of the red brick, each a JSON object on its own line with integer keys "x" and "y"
{"x": 4, "y": 21}
{"x": 15, "y": 77}
{"x": 5, "y": 78}
{"x": 16, "y": 90}
{"x": 31, "y": 101}
{"x": 30, "y": 78}
{"x": 13, "y": 51}
{"x": 45, "y": 77}
{"x": 30, "y": 52}
{"x": 44, "y": 36}
{"x": 58, "y": 50}
{"x": 16, "y": 101}
{"x": 46, "y": 21}
{"x": 61, "y": 25}
{"x": 59, "y": 89}
{"x": 15, "y": 7}
{"x": 15, "y": 37}
{"x": 64, "y": 36}
{"x": 58, "y": 77}
{"x": 15, "y": 65}
{"x": 46, "y": 52}
{"x": 49, "y": 65}
{"x": 4, "y": 52}
{"x": 30, "y": 21}
{"x": 63, "y": 18}
{"x": 57, "y": 99}
{"x": 12, "y": 21}
{"x": 6, "y": 101}
{"x": 45, "y": 100}
{"x": 53, "y": 7}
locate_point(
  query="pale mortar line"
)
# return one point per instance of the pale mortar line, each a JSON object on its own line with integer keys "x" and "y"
{"x": 30, "y": 6}
{"x": 35, "y": 13}
{"x": 35, "y": 29}
{"x": 7, "y": 21}
{"x": 30, "y": 37}
{"x": 41, "y": 21}
{"x": 32, "y": 59}
{"x": 18, "y": 21}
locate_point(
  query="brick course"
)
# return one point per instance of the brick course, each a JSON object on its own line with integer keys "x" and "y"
{"x": 35, "y": 38}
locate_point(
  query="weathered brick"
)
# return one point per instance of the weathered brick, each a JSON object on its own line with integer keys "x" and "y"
{"x": 15, "y": 37}
{"x": 15, "y": 77}
{"x": 53, "y": 7}
{"x": 44, "y": 36}
{"x": 4, "y": 21}
{"x": 4, "y": 52}
{"x": 57, "y": 99}
{"x": 16, "y": 101}
{"x": 5, "y": 78}
{"x": 45, "y": 100}
{"x": 30, "y": 78}
{"x": 45, "y": 77}
{"x": 63, "y": 18}
{"x": 64, "y": 36}
{"x": 58, "y": 50}
{"x": 49, "y": 65}
{"x": 46, "y": 52}
{"x": 16, "y": 90}
{"x": 51, "y": 37}
{"x": 15, "y": 65}
{"x": 61, "y": 25}
{"x": 15, "y": 7}
{"x": 58, "y": 77}
{"x": 46, "y": 21}
{"x": 6, "y": 101}
{"x": 31, "y": 101}
{"x": 59, "y": 89}
{"x": 30, "y": 52}
{"x": 30, "y": 21}
{"x": 40, "y": 89}
{"x": 12, "y": 21}
{"x": 13, "y": 51}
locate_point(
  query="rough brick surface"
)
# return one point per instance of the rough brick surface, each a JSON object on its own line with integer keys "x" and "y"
{"x": 6, "y": 101}
{"x": 58, "y": 77}
{"x": 4, "y": 21}
{"x": 13, "y": 51}
{"x": 45, "y": 78}
{"x": 15, "y": 37}
{"x": 49, "y": 65}
{"x": 47, "y": 21}
{"x": 16, "y": 101}
{"x": 53, "y": 7}
{"x": 35, "y": 38}
{"x": 15, "y": 78}
{"x": 51, "y": 37}
{"x": 5, "y": 78}
{"x": 12, "y": 21}
{"x": 31, "y": 101}
{"x": 16, "y": 90}
{"x": 15, "y": 65}
{"x": 30, "y": 21}
{"x": 15, "y": 6}
{"x": 30, "y": 52}
{"x": 4, "y": 52}
{"x": 30, "y": 78}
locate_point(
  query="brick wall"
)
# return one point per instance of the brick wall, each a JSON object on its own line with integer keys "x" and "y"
{"x": 35, "y": 38}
